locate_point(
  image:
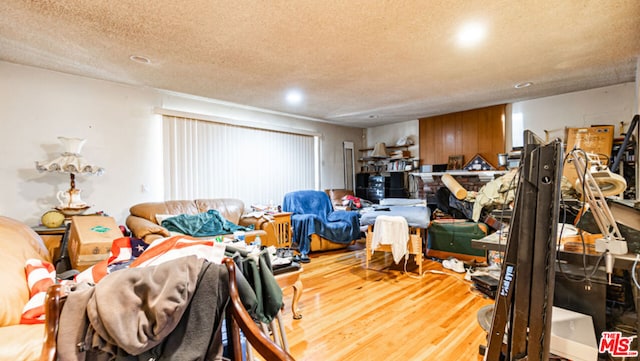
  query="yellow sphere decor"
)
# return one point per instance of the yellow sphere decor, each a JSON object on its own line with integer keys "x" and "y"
{"x": 52, "y": 219}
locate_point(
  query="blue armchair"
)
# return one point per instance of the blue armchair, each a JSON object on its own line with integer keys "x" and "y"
{"x": 316, "y": 226}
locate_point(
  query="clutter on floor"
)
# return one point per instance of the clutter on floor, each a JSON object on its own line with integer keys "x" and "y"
{"x": 454, "y": 265}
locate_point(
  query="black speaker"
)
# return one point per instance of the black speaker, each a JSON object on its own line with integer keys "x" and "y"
{"x": 362, "y": 185}
{"x": 396, "y": 193}
{"x": 376, "y": 192}
{"x": 397, "y": 180}
{"x": 362, "y": 180}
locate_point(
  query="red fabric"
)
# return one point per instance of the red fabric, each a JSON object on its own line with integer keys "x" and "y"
{"x": 40, "y": 276}
{"x": 124, "y": 254}
{"x": 124, "y": 250}
{"x": 352, "y": 199}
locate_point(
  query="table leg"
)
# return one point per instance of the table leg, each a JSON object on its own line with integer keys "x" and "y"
{"x": 367, "y": 248}
{"x": 297, "y": 292}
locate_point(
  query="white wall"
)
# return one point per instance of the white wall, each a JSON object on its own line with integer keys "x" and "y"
{"x": 602, "y": 106}
{"x": 390, "y": 134}
{"x": 123, "y": 135}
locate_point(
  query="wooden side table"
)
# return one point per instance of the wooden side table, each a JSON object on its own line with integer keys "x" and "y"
{"x": 51, "y": 238}
{"x": 282, "y": 229}
{"x": 292, "y": 279}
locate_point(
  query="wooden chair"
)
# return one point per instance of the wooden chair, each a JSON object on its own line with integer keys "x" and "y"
{"x": 241, "y": 320}
{"x": 414, "y": 246}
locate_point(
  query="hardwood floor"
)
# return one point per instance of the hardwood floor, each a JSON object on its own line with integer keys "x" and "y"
{"x": 351, "y": 313}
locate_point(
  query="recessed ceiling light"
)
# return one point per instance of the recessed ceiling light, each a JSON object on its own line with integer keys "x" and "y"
{"x": 471, "y": 34}
{"x": 294, "y": 97}
{"x": 525, "y": 84}
{"x": 140, "y": 59}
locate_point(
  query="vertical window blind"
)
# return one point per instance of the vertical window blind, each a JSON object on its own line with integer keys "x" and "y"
{"x": 204, "y": 159}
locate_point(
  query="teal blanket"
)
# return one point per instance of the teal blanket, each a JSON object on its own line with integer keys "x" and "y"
{"x": 210, "y": 223}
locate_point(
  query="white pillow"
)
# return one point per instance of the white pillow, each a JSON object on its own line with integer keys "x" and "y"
{"x": 162, "y": 217}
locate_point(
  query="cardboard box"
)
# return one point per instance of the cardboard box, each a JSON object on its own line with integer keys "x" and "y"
{"x": 597, "y": 140}
{"x": 90, "y": 240}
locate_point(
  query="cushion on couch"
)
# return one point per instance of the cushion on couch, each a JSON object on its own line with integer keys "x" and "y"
{"x": 150, "y": 209}
{"x": 21, "y": 342}
{"x": 231, "y": 209}
{"x": 18, "y": 242}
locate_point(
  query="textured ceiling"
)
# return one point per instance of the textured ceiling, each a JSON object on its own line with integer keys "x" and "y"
{"x": 358, "y": 63}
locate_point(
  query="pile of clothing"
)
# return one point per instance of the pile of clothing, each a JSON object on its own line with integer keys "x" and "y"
{"x": 353, "y": 202}
{"x": 498, "y": 193}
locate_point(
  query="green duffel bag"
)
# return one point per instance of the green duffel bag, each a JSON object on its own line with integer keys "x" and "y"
{"x": 455, "y": 236}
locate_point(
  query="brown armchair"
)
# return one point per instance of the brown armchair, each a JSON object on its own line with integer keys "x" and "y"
{"x": 316, "y": 225}
{"x": 240, "y": 320}
{"x": 336, "y": 196}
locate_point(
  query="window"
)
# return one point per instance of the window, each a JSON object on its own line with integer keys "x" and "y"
{"x": 206, "y": 159}
{"x": 517, "y": 129}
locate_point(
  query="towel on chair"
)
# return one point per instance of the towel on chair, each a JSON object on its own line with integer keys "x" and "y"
{"x": 394, "y": 231}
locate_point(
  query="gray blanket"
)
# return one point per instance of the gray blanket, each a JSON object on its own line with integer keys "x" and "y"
{"x": 416, "y": 216}
{"x": 135, "y": 312}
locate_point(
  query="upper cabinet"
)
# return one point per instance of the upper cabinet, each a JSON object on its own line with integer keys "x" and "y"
{"x": 468, "y": 133}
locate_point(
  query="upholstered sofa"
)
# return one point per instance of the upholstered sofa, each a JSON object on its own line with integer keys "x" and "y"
{"x": 18, "y": 242}
{"x": 144, "y": 223}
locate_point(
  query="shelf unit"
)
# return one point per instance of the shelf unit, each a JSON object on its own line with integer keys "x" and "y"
{"x": 387, "y": 164}
{"x": 384, "y": 177}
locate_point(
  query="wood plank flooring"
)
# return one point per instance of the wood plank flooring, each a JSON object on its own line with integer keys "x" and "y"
{"x": 351, "y": 313}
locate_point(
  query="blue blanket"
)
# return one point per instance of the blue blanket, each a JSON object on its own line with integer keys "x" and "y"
{"x": 210, "y": 223}
{"x": 313, "y": 213}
